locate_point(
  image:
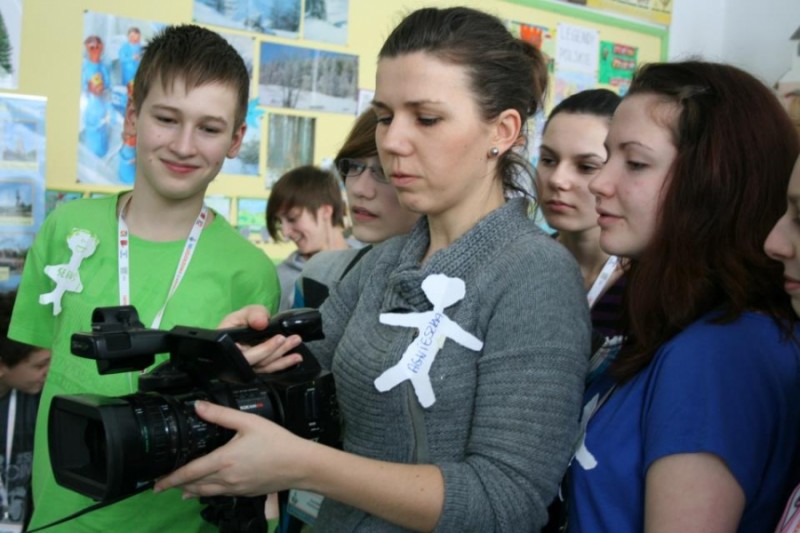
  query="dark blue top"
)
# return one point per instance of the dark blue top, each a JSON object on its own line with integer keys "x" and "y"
{"x": 732, "y": 390}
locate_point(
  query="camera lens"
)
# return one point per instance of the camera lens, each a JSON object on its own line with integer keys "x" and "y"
{"x": 107, "y": 448}
{"x": 170, "y": 433}
{"x": 95, "y": 441}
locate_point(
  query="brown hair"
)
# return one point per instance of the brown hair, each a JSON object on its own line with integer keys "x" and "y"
{"x": 197, "y": 56}
{"x": 306, "y": 187}
{"x": 505, "y": 72}
{"x": 360, "y": 142}
{"x": 595, "y": 102}
{"x": 726, "y": 189}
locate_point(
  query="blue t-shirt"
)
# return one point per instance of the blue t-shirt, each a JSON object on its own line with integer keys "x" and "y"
{"x": 732, "y": 390}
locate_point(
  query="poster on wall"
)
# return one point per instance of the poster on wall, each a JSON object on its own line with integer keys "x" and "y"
{"x": 251, "y": 219}
{"x": 10, "y": 42}
{"x": 54, "y": 198}
{"x": 566, "y": 83}
{"x": 655, "y": 11}
{"x": 220, "y": 204}
{"x": 247, "y": 161}
{"x": 365, "y": 98}
{"x": 539, "y": 36}
{"x": 617, "y": 65}
{"x": 112, "y": 48}
{"x": 22, "y": 180}
{"x": 306, "y": 78}
{"x": 577, "y": 60}
{"x": 326, "y": 20}
{"x": 290, "y": 144}
{"x": 577, "y": 48}
{"x": 271, "y": 17}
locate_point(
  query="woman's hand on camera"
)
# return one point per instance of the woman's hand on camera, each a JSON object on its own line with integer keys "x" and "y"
{"x": 244, "y": 466}
{"x": 271, "y": 355}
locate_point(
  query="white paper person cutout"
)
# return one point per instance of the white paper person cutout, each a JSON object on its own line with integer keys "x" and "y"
{"x": 583, "y": 455}
{"x": 434, "y": 328}
{"x": 83, "y": 244}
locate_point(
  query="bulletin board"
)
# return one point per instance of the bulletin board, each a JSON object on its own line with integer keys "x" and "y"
{"x": 53, "y": 49}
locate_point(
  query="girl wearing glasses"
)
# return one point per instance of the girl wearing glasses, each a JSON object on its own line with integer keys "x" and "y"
{"x": 375, "y": 211}
{"x": 460, "y": 349}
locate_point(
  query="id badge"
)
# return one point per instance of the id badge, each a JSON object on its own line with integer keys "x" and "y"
{"x": 10, "y": 527}
{"x": 303, "y": 505}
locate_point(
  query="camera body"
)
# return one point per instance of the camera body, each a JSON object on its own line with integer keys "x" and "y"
{"x": 108, "y": 448}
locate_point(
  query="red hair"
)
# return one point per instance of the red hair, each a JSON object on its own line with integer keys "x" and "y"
{"x": 727, "y": 188}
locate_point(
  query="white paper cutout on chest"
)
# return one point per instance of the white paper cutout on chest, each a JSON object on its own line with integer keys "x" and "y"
{"x": 83, "y": 244}
{"x": 583, "y": 455}
{"x": 434, "y": 328}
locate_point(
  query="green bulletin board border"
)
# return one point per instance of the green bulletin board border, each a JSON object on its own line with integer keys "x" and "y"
{"x": 584, "y": 13}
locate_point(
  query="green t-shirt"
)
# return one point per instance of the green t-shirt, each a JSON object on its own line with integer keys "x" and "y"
{"x": 226, "y": 272}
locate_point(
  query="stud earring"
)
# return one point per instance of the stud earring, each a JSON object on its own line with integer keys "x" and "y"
{"x": 494, "y": 152}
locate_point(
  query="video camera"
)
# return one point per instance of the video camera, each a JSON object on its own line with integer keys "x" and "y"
{"x": 107, "y": 448}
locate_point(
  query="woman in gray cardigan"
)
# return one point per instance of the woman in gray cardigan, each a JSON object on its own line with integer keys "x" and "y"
{"x": 459, "y": 350}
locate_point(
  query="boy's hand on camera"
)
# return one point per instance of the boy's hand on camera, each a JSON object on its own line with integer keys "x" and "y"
{"x": 270, "y": 355}
{"x": 254, "y": 316}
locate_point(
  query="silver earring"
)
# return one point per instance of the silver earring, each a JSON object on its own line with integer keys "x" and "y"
{"x": 494, "y": 152}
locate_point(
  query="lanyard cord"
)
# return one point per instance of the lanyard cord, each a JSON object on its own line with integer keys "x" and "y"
{"x": 183, "y": 264}
{"x": 123, "y": 264}
{"x": 602, "y": 280}
{"x": 11, "y": 420}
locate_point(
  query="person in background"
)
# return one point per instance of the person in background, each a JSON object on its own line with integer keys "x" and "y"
{"x": 783, "y": 244}
{"x": 23, "y": 369}
{"x": 376, "y": 216}
{"x": 305, "y": 206}
{"x": 459, "y": 350}
{"x": 696, "y": 423}
{"x": 156, "y": 247}
{"x": 375, "y": 211}
{"x": 572, "y": 152}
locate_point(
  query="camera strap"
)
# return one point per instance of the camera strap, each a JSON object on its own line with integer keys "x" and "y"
{"x": 11, "y": 420}
{"x": 94, "y": 507}
{"x": 183, "y": 264}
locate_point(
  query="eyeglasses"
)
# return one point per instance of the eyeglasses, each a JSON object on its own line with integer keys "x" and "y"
{"x": 350, "y": 168}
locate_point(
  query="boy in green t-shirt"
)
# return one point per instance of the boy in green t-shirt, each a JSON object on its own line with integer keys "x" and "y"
{"x": 156, "y": 247}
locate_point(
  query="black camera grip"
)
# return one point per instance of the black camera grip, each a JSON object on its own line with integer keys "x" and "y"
{"x": 303, "y": 321}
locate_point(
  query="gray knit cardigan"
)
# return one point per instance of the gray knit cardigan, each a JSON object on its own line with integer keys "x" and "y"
{"x": 505, "y": 421}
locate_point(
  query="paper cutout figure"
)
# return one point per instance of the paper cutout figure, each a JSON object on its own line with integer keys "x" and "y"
{"x": 434, "y": 328}
{"x": 583, "y": 455}
{"x": 83, "y": 244}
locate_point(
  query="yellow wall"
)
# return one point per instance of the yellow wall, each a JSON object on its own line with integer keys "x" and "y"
{"x": 51, "y": 53}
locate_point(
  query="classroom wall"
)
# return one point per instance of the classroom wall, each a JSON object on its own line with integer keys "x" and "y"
{"x": 751, "y": 35}
{"x": 52, "y": 51}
